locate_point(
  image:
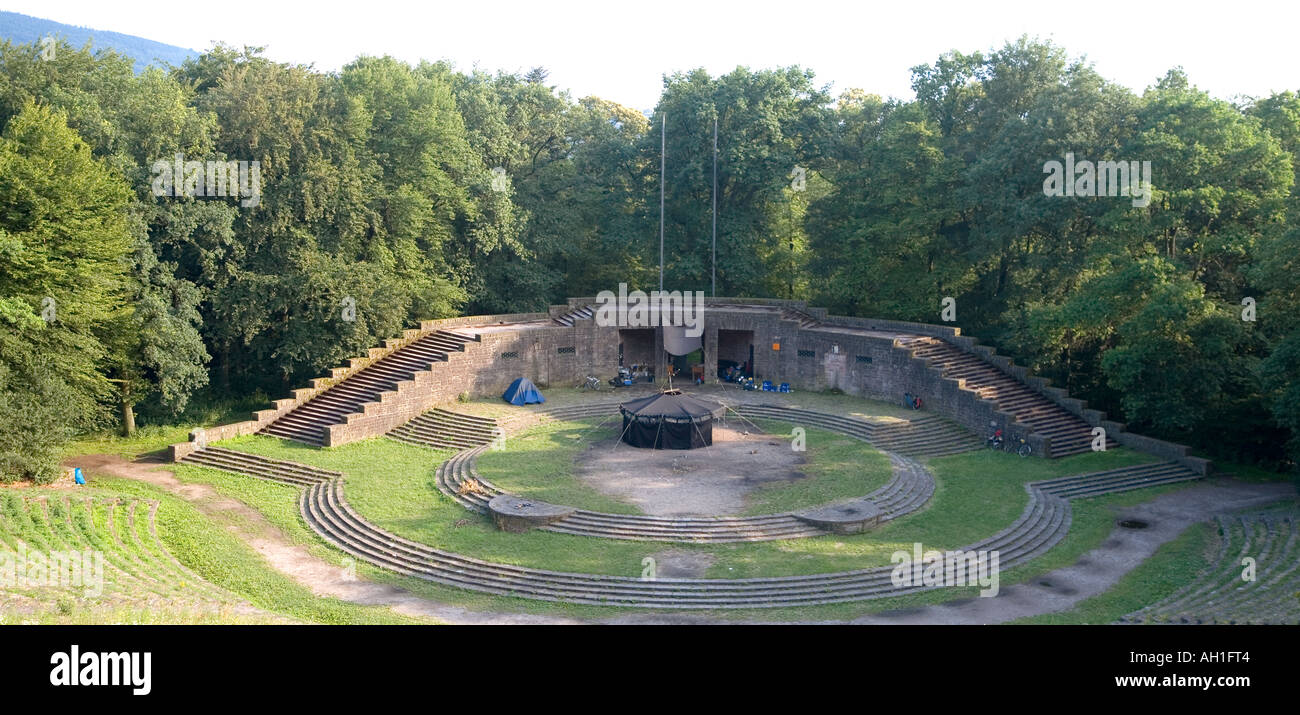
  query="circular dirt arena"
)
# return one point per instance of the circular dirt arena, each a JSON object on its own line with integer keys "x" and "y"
{"x": 708, "y": 481}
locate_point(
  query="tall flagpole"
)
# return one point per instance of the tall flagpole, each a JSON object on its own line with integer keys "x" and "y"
{"x": 713, "y": 284}
{"x": 663, "y": 147}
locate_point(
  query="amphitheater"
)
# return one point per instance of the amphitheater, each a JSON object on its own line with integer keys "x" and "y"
{"x": 432, "y": 388}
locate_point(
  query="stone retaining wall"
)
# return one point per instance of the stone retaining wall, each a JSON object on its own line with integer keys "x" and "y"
{"x": 546, "y": 353}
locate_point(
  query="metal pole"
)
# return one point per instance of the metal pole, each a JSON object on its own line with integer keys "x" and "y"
{"x": 663, "y": 147}
{"x": 713, "y": 286}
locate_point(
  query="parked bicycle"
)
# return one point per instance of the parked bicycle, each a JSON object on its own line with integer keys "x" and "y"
{"x": 592, "y": 383}
{"x": 1019, "y": 447}
{"x": 999, "y": 443}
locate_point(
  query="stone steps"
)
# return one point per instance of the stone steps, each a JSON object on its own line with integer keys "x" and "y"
{"x": 585, "y": 312}
{"x": 443, "y": 429}
{"x": 1118, "y": 480}
{"x": 307, "y": 422}
{"x": 1068, "y": 433}
{"x": 277, "y": 470}
{"x": 1219, "y": 595}
{"x": 925, "y": 436}
{"x": 1041, "y": 525}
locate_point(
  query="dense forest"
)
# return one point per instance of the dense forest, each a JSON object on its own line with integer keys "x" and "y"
{"x": 404, "y": 192}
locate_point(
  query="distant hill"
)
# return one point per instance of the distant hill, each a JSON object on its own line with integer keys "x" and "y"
{"x": 24, "y": 30}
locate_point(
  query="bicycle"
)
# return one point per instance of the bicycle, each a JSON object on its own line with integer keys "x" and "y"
{"x": 592, "y": 383}
{"x": 1022, "y": 449}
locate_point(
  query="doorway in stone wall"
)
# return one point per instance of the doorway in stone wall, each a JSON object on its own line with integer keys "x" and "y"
{"x": 636, "y": 352}
{"x": 735, "y": 354}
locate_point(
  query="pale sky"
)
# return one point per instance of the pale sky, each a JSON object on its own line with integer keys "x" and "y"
{"x": 620, "y": 51}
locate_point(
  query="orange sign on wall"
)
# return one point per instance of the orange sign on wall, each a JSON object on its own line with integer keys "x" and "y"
{"x": 776, "y": 346}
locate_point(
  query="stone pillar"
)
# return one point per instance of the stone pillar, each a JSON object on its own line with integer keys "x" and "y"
{"x": 710, "y": 354}
{"x": 661, "y": 365}
{"x": 764, "y": 358}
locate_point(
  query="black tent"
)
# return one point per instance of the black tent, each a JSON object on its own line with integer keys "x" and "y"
{"x": 669, "y": 420}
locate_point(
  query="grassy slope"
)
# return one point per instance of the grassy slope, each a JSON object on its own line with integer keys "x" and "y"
{"x": 155, "y": 436}
{"x": 222, "y": 559}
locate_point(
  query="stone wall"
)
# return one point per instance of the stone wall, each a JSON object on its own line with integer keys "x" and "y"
{"x": 638, "y": 346}
{"x": 548, "y": 355}
{"x": 531, "y": 345}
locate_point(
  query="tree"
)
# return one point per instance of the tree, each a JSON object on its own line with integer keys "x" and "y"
{"x": 63, "y": 285}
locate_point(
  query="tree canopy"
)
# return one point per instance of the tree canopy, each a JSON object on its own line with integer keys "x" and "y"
{"x": 392, "y": 192}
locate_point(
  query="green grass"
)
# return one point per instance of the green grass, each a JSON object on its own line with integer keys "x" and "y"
{"x": 540, "y": 464}
{"x": 154, "y": 435}
{"x": 222, "y": 558}
{"x": 838, "y": 467}
{"x": 153, "y": 438}
{"x": 1253, "y": 473}
{"x": 141, "y": 582}
{"x": 232, "y": 576}
{"x": 391, "y": 484}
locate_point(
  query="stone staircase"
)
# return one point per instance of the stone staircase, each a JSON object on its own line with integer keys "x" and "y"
{"x": 926, "y": 435}
{"x": 585, "y": 312}
{"x": 276, "y": 470}
{"x": 1219, "y": 595}
{"x": 805, "y": 320}
{"x": 1069, "y": 434}
{"x": 1042, "y": 524}
{"x": 307, "y": 422}
{"x": 443, "y": 429}
{"x": 1118, "y": 480}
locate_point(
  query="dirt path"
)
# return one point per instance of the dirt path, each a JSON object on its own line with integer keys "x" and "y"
{"x": 296, "y": 562}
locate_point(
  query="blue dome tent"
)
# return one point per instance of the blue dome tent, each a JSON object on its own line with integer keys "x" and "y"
{"x": 522, "y": 392}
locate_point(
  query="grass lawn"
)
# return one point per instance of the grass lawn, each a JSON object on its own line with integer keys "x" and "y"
{"x": 392, "y": 484}
{"x": 539, "y": 464}
{"x": 978, "y": 494}
{"x": 156, "y": 435}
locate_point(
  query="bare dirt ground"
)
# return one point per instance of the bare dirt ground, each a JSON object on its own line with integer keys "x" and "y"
{"x": 706, "y": 481}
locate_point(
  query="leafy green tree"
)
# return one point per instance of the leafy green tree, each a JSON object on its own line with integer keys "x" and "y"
{"x": 63, "y": 284}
